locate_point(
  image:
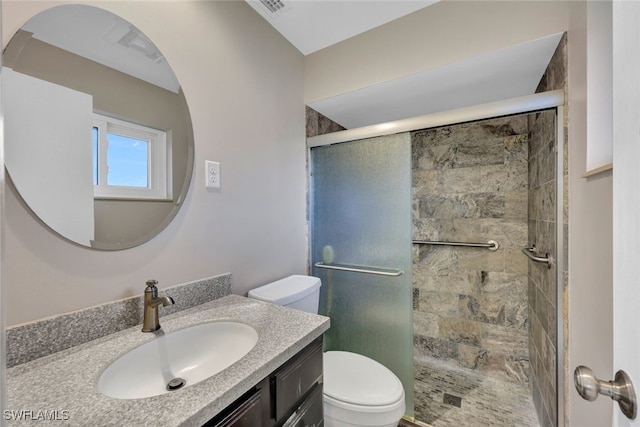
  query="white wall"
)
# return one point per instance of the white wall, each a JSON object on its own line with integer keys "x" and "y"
{"x": 3, "y": 365}
{"x": 600, "y": 84}
{"x": 244, "y": 87}
{"x": 453, "y": 30}
{"x": 626, "y": 198}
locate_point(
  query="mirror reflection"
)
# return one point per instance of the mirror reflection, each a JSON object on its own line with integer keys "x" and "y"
{"x": 99, "y": 142}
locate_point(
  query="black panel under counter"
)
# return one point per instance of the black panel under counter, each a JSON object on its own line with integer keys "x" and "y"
{"x": 247, "y": 411}
{"x": 295, "y": 379}
{"x": 310, "y": 412}
{"x": 291, "y": 396}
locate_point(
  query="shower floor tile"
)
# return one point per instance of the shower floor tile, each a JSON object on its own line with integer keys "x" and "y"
{"x": 447, "y": 396}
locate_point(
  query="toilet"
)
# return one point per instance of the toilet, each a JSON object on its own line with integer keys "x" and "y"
{"x": 358, "y": 391}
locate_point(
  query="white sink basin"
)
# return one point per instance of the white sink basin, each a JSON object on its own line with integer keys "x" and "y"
{"x": 177, "y": 360}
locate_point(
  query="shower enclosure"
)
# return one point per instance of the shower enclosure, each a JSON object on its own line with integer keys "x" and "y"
{"x": 361, "y": 216}
{"x": 481, "y": 318}
{"x": 471, "y": 352}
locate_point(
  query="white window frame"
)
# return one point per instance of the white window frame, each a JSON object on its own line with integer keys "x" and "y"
{"x": 159, "y": 158}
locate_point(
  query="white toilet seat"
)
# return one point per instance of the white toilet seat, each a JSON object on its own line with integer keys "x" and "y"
{"x": 359, "y": 391}
{"x": 359, "y": 415}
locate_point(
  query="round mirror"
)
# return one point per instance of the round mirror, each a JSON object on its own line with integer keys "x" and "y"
{"x": 98, "y": 137}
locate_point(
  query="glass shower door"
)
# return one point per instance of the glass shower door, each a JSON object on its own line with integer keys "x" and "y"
{"x": 361, "y": 249}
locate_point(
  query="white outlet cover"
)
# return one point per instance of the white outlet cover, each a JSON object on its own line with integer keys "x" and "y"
{"x": 212, "y": 174}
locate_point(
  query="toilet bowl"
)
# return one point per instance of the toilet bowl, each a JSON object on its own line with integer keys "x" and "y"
{"x": 358, "y": 391}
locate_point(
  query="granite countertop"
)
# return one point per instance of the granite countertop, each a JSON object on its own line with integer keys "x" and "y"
{"x": 63, "y": 385}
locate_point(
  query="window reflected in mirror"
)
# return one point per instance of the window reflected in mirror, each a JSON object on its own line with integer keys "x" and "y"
{"x": 130, "y": 161}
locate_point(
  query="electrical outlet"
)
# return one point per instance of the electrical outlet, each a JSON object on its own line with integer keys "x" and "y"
{"x": 213, "y": 174}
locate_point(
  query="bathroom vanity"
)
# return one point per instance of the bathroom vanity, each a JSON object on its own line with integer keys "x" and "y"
{"x": 290, "y": 396}
{"x": 279, "y": 382}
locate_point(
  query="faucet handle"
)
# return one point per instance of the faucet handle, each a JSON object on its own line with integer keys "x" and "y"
{"x": 151, "y": 283}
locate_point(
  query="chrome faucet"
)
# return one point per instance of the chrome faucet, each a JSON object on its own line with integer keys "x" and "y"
{"x": 151, "y": 321}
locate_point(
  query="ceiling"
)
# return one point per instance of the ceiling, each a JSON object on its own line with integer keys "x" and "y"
{"x": 105, "y": 38}
{"x": 311, "y": 25}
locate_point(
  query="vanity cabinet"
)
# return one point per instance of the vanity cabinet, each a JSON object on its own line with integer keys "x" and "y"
{"x": 244, "y": 412}
{"x": 291, "y": 396}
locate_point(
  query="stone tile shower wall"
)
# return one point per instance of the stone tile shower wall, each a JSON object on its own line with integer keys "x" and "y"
{"x": 318, "y": 124}
{"x": 542, "y": 281}
{"x": 470, "y": 184}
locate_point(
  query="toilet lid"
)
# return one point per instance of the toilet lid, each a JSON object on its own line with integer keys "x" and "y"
{"x": 353, "y": 378}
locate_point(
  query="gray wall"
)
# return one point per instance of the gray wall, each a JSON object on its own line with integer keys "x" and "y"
{"x": 233, "y": 68}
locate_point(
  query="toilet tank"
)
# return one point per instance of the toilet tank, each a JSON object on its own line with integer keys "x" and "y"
{"x": 297, "y": 291}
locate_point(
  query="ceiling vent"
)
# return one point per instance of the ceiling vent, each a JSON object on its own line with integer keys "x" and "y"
{"x": 274, "y": 6}
{"x": 130, "y": 37}
{"x": 135, "y": 40}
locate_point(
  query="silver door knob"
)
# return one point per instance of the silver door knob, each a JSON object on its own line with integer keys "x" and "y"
{"x": 620, "y": 389}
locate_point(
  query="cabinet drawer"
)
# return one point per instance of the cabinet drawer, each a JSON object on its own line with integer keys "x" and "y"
{"x": 295, "y": 379}
{"x": 309, "y": 413}
{"x": 244, "y": 412}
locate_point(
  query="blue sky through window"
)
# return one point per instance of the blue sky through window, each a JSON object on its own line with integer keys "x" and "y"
{"x": 128, "y": 161}
{"x": 127, "y": 158}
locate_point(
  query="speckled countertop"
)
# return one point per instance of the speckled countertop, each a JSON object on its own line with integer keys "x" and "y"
{"x": 66, "y": 381}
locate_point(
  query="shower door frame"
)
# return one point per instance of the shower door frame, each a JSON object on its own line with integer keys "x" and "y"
{"x": 525, "y": 104}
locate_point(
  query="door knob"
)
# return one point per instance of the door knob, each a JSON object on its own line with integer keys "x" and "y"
{"x": 620, "y": 389}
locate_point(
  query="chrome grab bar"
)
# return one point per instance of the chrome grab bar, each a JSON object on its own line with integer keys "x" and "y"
{"x": 357, "y": 269}
{"x": 492, "y": 245}
{"x": 533, "y": 255}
